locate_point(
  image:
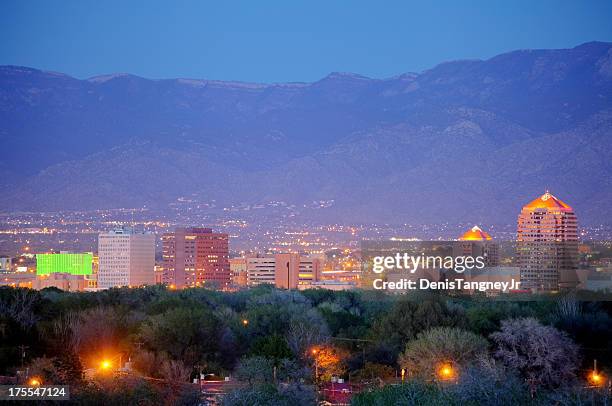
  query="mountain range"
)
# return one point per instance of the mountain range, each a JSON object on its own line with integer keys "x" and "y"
{"x": 469, "y": 140}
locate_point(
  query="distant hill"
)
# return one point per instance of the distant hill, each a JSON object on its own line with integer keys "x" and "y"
{"x": 464, "y": 141}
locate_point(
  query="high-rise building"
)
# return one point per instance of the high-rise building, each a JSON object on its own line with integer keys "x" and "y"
{"x": 547, "y": 244}
{"x": 196, "y": 257}
{"x": 125, "y": 258}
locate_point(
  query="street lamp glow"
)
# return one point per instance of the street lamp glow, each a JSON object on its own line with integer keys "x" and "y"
{"x": 105, "y": 365}
{"x": 446, "y": 372}
{"x": 34, "y": 381}
{"x": 245, "y": 322}
{"x": 596, "y": 378}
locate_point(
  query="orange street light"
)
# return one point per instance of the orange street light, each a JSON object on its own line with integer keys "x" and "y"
{"x": 105, "y": 365}
{"x": 596, "y": 378}
{"x": 34, "y": 381}
{"x": 314, "y": 351}
{"x": 245, "y": 322}
{"x": 446, "y": 372}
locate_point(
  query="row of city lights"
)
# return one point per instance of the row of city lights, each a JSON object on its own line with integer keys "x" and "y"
{"x": 445, "y": 372}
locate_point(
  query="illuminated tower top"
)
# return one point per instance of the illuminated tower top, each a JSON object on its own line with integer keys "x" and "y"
{"x": 547, "y": 219}
{"x": 475, "y": 234}
{"x": 548, "y": 201}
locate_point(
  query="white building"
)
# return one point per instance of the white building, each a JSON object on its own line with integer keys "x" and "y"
{"x": 126, "y": 259}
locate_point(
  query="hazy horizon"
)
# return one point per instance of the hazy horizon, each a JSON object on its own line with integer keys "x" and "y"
{"x": 278, "y": 43}
{"x": 118, "y": 74}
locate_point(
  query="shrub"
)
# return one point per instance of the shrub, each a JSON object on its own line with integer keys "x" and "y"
{"x": 542, "y": 355}
{"x": 441, "y": 345}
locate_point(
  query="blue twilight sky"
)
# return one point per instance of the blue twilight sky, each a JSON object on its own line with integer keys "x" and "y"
{"x": 276, "y": 41}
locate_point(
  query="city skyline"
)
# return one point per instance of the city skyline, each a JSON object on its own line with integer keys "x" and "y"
{"x": 546, "y": 258}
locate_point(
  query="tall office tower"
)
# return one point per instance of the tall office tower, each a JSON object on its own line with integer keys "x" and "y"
{"x": 476, "y": 242}
{"x": 196, "y": 257}
{"x": 125, "y": 258}
{"x": 547, "y": 244}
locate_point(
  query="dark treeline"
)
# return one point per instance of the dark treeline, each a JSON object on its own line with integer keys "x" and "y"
{"x": 274, "y": 342}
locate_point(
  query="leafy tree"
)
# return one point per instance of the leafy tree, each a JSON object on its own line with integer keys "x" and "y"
{"x": 21, "y": 305}
{"x": 330, "y": 361}
{"x": 414, "y": 393}
{"x": 342, "y": 322}
{"x": 268, "y": 394}
{"x": 146, "y": 363}
{"x": 476, "y": 386}
{"x": 174, "y": 370}
{"x": 290, "y": 371}
{"x": 409, "y": 317}
{"x": 588, "y": 324}
{"x": 68, "y": 368}
{"x": 424, "y": 355}
{"x": 543, "y": 355}
{"x": 305, "y": 330}
{"x": 485, "y": 317}
{"x": 133, "y": 391}
{"x": 20, "y": 318}
{"x": 298, "y": 394}
{"x": 191, "y": 335}
{"x": 372, "y": 371}
{"x": 273, "y": 347}
{"x": 489, "y": 384}
{"x": 45, "y": 369}
{"x": 93, "y": 331}
{"x": 255, "y": 370}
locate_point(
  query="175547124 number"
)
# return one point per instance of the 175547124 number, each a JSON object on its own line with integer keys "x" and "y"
{"x": 19, "y": 392}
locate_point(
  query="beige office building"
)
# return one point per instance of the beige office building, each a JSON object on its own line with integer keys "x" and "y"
{"x": 260, "y": 270}
{"x": 126, "y": 259}
{"x": 286, "y": 271}
{"x": 293, "y": 270}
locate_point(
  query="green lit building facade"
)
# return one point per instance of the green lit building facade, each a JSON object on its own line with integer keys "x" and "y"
{"x": 74, "y": 264}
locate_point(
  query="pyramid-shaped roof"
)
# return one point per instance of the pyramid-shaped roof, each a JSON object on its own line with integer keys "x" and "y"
{"x": 475, "y": 234}
{"x": 548, "y": 201}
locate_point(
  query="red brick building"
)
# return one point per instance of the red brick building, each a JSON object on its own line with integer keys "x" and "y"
{"x": 195, "y": 257}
